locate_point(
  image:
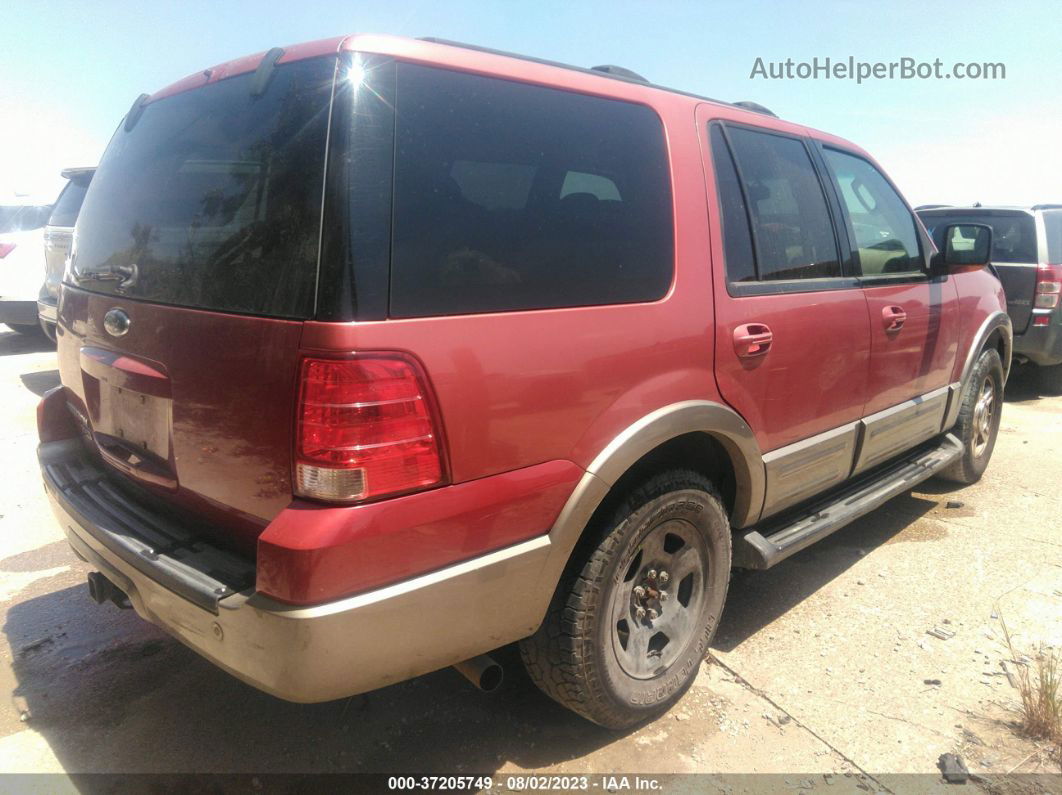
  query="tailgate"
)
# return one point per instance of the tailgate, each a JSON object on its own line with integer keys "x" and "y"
{"x": 197, "y": 405}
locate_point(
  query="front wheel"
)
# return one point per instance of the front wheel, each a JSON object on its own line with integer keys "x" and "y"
{"x": 627, "y": 631}
{"x": 979, "y": 415}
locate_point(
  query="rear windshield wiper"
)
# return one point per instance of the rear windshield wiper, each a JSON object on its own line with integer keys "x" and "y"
{"x": 125, "y": 275}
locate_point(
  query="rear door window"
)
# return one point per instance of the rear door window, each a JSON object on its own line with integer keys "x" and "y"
{"x": 791, "y": 227}
{"x": 884, "y": 229}
{"x": 67, "y": 206}
{"x": 737, "y": 239}
{"x": 509, "y": 196}
{"x": 213, "y": 199}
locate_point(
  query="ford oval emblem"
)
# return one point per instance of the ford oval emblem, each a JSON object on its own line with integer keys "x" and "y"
{"x": 116, "y": 322}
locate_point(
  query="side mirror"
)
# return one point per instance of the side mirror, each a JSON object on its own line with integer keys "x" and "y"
{"x": 966, "y": 245}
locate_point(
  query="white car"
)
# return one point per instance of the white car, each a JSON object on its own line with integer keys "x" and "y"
{"x": 21, "y": 263}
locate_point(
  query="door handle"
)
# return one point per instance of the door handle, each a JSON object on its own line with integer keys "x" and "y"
{"x": 752, "y": 340}
{"x": 893, "y": 317}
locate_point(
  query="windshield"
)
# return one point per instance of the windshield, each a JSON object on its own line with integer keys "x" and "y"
{"x": 213, "y": 200}
{"x": 23, "y": 217}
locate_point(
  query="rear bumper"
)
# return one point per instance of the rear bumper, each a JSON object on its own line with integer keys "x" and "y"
{"x": 47, "y": 311}
{"x": 18, "y": 312}
{"x": 1041, "y": 345}
{"x": 319, "y": 652}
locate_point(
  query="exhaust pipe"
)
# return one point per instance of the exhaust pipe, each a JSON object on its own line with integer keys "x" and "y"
{"x": 483, "y": 672}
{"x": 103, "y": 590}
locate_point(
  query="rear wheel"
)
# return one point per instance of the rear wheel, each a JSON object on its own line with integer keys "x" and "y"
{"x": 1051, "y": 379}
{"x": 979, "y": 415}
{"x": 29, "y": 331}
{"x": 626, "y": 632}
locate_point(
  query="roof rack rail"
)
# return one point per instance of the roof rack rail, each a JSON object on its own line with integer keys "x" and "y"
{"x": 755, "y": 107}
{"x": 615, "y": 72}
{"x": 1047, "y": 206}
{"x": 619, "y": 71}
{"x": 931, "y": 207}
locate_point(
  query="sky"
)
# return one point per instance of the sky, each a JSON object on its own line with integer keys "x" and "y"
{"x": 70, "y": 70}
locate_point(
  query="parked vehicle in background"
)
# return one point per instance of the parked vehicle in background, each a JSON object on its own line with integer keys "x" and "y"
{"x": 557, "y": 350}
{"x": 21, "y": 263}
{"x": 58, "y": 234}
{"x": 1027, "y": 255}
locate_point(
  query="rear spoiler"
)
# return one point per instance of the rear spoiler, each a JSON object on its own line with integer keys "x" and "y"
{"x": 80, "y": 171}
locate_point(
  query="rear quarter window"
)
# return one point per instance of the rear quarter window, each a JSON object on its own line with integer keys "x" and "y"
{"x": 510, "y": 196}
{"x": 1053, "y": 224}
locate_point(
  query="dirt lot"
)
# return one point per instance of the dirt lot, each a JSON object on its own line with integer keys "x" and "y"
{"x": 820, "y": 666}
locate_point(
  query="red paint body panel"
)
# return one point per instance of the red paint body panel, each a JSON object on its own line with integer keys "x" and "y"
{"x": 814, "y": 377}
{"x": 313, "y": 553}
{"x": 920, "y": 356}
{"x": 980, "y": 294}
{"x": 232, "y": 382}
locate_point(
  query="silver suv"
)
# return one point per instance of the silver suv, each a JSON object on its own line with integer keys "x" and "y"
{"x": 58, "y": 235}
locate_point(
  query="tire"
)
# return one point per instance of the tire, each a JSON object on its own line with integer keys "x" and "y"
{"x": 27, "y": 331}
{"x": 978, "y": 423}
{"x": 593, "y": 653}
{"x": 1051, "y": 379}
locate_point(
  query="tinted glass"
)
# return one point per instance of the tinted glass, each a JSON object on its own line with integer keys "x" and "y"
{"x": 791, "y": 224}
{"x": 23, "y": 217}
{"x": 67, "y": 206}
{"x": 1053, "y": 223}
{"x": 510, "y": 196}
{"x": 737, "y": 239}
{"x": 884, "y": 229}
{"x": 213, "y": 200}
{"x": 1013, "y": 233}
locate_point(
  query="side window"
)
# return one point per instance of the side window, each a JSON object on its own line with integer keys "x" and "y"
{"x": 792, "y": 231}
{"x": 509, "y": 196}
{"x": 737, "y": 239}
{"x": 885, "y": 232}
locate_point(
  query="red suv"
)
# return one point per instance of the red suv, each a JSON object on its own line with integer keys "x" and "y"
{"x": 380, "y": 354}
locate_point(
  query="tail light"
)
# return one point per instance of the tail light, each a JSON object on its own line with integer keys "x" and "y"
{"x": 5, "y": 249}
{"x": 1048, "y": 286}
{"x": 366, "y": 428}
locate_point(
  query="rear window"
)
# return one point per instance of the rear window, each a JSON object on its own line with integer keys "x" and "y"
{"x": 1053, "y": 223}
{"x": 1013, "y": 233}
{"x": 67, "y": 206}
{"x": 23, "y": 217}
{"x": 510, "y": 196}
{"x": 213, "y": 199}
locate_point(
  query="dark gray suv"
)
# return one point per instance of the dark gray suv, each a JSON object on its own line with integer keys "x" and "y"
{"x": 1027, "y": 255}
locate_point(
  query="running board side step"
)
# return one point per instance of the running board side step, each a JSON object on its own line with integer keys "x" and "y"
{"x": 773, "y": 542}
